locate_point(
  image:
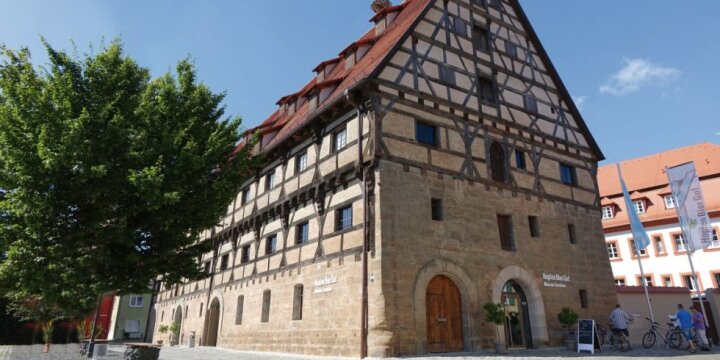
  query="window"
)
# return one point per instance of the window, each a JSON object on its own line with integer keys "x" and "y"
{"x": 136, "y": 301}
{"x": 132, "y": 326}
{"x": 208, "y": 270}
{"x": 343, "y": 218}
{"x": 634, "y": 251}
{"x": 680, "y": 242}
{"x": 648, "y": 280}
{"x": 612, "y": 250}
{"x": 302, "y": 233}
{"x": 245, "y": 254}
{"x": 270, "y": 244}
{"x": 583, "y": 298}
{"x": 481, "y": 39}
{"x": 224, "y": 262}
{"x": 520, "y": 159}
{"x": 265, "y": 316}
{"x": 339, "y": 139}
{"x": 669, "y": 201}
{"x": 426, "y": 134}
{"x": 245, "y": 197}
{"x": 568, "y": 175}
{"x": 460, "y": 26}
{"x": 571, "y": 233}
{"x": 497, "y": 4}
{"x": 239, "y": 309}
{"x": 716, "y": 278}
{"x": 436, "y": 209}
{"x": 667, "y": 281}
{"x": 510, "y": 49}
{"x": 659, "y": 245}
{"x": 715, "y": 241}
{"x": 534, "y": 226}
{"x": 269, "y": 181}
{"x": 297, "y": 302}
{"x": 486, "y": 90}
{"x": 162, "y": 316}
{"x": 301, "y": 162}
{"x": 639, "y": 206}
{"x": 530, "y": 103}
{"x": 620, "y": 282}
{"x": 497, "y": 162}
{"x": 447, "y": 75}
{"x": 507, "y": 240}
{"x": 689, "y": 282}
{"x": 607, "y": 212}
{"x": 201, "y": 310}
{"x": 479, "y": 2}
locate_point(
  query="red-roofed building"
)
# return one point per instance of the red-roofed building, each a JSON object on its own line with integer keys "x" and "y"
{"x": 665, "y": 260}
{"x": 438, "y": 163}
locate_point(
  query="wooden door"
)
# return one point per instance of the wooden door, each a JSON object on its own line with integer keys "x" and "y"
{"x": 444, "y": 316}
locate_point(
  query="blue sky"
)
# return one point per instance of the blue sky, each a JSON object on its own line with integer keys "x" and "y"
{"x": 644, "y": 73}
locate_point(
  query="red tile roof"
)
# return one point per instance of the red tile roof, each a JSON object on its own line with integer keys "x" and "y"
{"x": 345, "y": 79}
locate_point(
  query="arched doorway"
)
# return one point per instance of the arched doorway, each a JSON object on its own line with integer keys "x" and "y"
{"x": 213, "y": 322}
{"x": 517, "y": 317}
{"x": 443, "y": 309}
{"x": 177, "y": 319}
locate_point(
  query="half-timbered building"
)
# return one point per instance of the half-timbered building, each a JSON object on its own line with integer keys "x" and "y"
{"x": 436, "y": 164}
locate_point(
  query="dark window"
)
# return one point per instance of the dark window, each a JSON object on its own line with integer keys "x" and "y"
{"x": 520, "y": 159}
{"x": 716, "y": 276}
{"x": 426, "y": 134}
{"x": 497, "y": 162}
{"x": 269, "y": 181}
{"x": 460, "y": 26}
{"x": 186, "y": 311}
{"x": 497, "y": 4}
{"x": 201, "y": 310}
{"x": 162, "y": 316}
{"x": 265, "y": 317}
{"x": 530, "y": 103}
{"x": 245, "y": 197}
{"x": 177, "y": 290}
{"x": 270, "y": 244}
{"x": 583, "y": 299}
{"x": 486, "y": 89}
{"x": 302, "y": 233}
{"x": 297, "y": 302}
{"x": 510, "y": 49}
{"x": 568, "y": 174}
{"x": 343, "y": 218}
{"x": 481, "y": 39}
{"x": 224, "y": 262}
{"x": 339, "y": 139}
{"x": 447, "y": 74}
{"x": 436, "y": 206}
{"x": 534, "y": 226}
{"x": 301, "y": 162}
{"x": 571, "y": 234}
{"x": 507, "y": 240}
{"x": 245, "y": 254}
{"x": 479, "y": 2}
{"x": 207, "y": 267}
{"x": 689, "y": 281}
{"x": 239, "y": 310}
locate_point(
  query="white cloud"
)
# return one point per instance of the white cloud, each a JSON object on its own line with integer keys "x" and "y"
{"x": 579, "y": 101}
{"x": 637, "y": 73}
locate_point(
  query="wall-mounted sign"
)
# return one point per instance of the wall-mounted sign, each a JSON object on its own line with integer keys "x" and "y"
{"x": 555, "y": 280}
{"x": 323, "y": 285}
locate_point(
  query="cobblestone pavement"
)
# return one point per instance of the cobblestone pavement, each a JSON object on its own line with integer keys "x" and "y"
{"x": 70, "y": 352}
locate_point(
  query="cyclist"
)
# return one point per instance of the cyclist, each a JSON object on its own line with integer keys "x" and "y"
{"x": 699, "y": 323}
{"x": 619, "y": 319}
{"x": 686, "y": 325}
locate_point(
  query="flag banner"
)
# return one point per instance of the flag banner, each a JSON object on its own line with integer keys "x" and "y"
{"x": 641, "y": 238}
{"x": 690, "y": 206}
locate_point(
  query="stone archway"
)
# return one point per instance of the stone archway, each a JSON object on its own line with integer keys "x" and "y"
{"x": 177, "y": 319}
{"x": 531, "y": 290}
{"x": 213, "y": 323}
{"x": 468, "y": 296}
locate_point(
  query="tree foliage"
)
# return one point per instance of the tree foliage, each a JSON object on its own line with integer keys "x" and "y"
{"x": 108, "y": 176}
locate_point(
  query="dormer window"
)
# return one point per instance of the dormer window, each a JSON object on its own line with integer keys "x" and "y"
{"x": 639, "y": 206}
{"x": 608, "y": 212}
{"x": 349, "y": 60}
{"x": 669, "y": 201}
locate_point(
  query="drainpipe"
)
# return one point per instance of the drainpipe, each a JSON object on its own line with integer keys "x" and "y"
{"x": 364, "y": 302}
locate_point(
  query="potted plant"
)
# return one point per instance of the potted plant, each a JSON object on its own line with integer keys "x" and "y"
{"x": 163, "y": 329}
{"x": 47, "y": 329}
{"x": 174, "y": 333}
{"x": 495, "y": 313}
{"x": 567, "y": 317}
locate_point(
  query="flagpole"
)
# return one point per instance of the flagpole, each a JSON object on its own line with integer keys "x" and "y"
{"x": 696, "y": 283}
{"x": 644, "y": 283}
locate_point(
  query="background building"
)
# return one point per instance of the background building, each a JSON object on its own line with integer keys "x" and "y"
{"x": 437, "y": 164}
{"x": 129, "y": 317}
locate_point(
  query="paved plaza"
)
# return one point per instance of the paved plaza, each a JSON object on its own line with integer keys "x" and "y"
{"x": 69, "y": 352}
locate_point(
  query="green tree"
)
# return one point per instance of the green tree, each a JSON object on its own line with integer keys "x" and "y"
{"x": 108, "y": 177}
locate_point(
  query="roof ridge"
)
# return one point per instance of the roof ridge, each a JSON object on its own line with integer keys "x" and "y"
{"x": 661, "y": 154}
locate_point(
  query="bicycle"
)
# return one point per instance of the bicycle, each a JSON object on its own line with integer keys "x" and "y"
{"x": 672, "y": 338}
{"x": 618, "y": 340}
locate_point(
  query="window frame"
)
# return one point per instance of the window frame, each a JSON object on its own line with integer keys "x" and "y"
{"x": 269, "y": 181}
{"x": 614, "y": 244}
{"x": 270, "y": 244}
{"x": 639, "y": 279}
{"x": 665, "y": 276}
{"x": 481, "y": 38}
{"x": 245, "y": 254}
{"x": 534, "y": 225}
{"x": 430, "y": 128}
{"x": 683, "y": 281}
{"x": 244, "y": 196}
{"x": 639, "y": 206}
{"x": 486, "y": 82}
{"x": 136, "y": 303}
{"x": 338, "y": 145}
{"x": 655, "y": 239}
{"x": 620, "y": 278}
{"x": 339, "y": 219}
{"x": 446, "y": 74}
{"x": 239, "y": 309}
{"x": 633, "y": 255}
{"x": 224, "y": 261}
{"x": 299, "y": 233}
{"x": 266, "y": 300}
{"x": 572, "y": 233}
{"x": 611, "y": 211}
{"x": 298, "y": 300}
{"x": 530, "y": 104}
{"x": 460, "y": 26}
{"x": 676, "y": 249}
{"x": 301, "y": 165}
{"x": 520, "y": 162}
{"x": 568, "y": 174}
{"x": 436, "y": 209}
{"x": 584, "y": 299}
{"x": 511, "y": 49}
{"x": 669, "y": 204}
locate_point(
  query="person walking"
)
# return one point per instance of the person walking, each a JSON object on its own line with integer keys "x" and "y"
{"x": 699, "y": 324}
{"x": 619, "y": 320}
{"x": 686, "y": 325}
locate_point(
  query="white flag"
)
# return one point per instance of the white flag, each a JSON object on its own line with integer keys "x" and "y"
{"x": 690, "y": 205}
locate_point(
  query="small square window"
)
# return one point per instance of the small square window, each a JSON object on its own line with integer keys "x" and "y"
{"x": 530, "y": 103}
{"x": 481, "y": 39}
{"x": 343, "y": 218}
{"x": 302, "y": 233}
{"x": 583, "y": 299}
{"x": 639, "y": 206}
{"x": 648, "y": 281}
{"x": 339, "y": 139}
{"x": 486, "y": 90}
{"x": 436, "y": 206}
{"x": 224, "y": 262}
{"x": 426, "y": 134}
{"x": 270, "y": 244}
{"x": 620, "y": 282}
{"x": 460, "y": 26}
{"x": 269, "y": 181}
{"x": 571, "y": 233}
{"x": 497, "y": 4}
{"x": 534, "y": 226}
{"x": 669, "y": 201}
{"x": 301, "y": 162}
{"x": 510, "y": 49}
{"x": 667, "y": 281}
{"x": 136, "y": 301}
{"x": 479, "y": 2}
{"x": 447, "y": 75}
{"x": 607, "y": 212}
{"x": 520, "y": 160}
{"x": 245, "y": 254}
{"x": 568, "y": 174}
